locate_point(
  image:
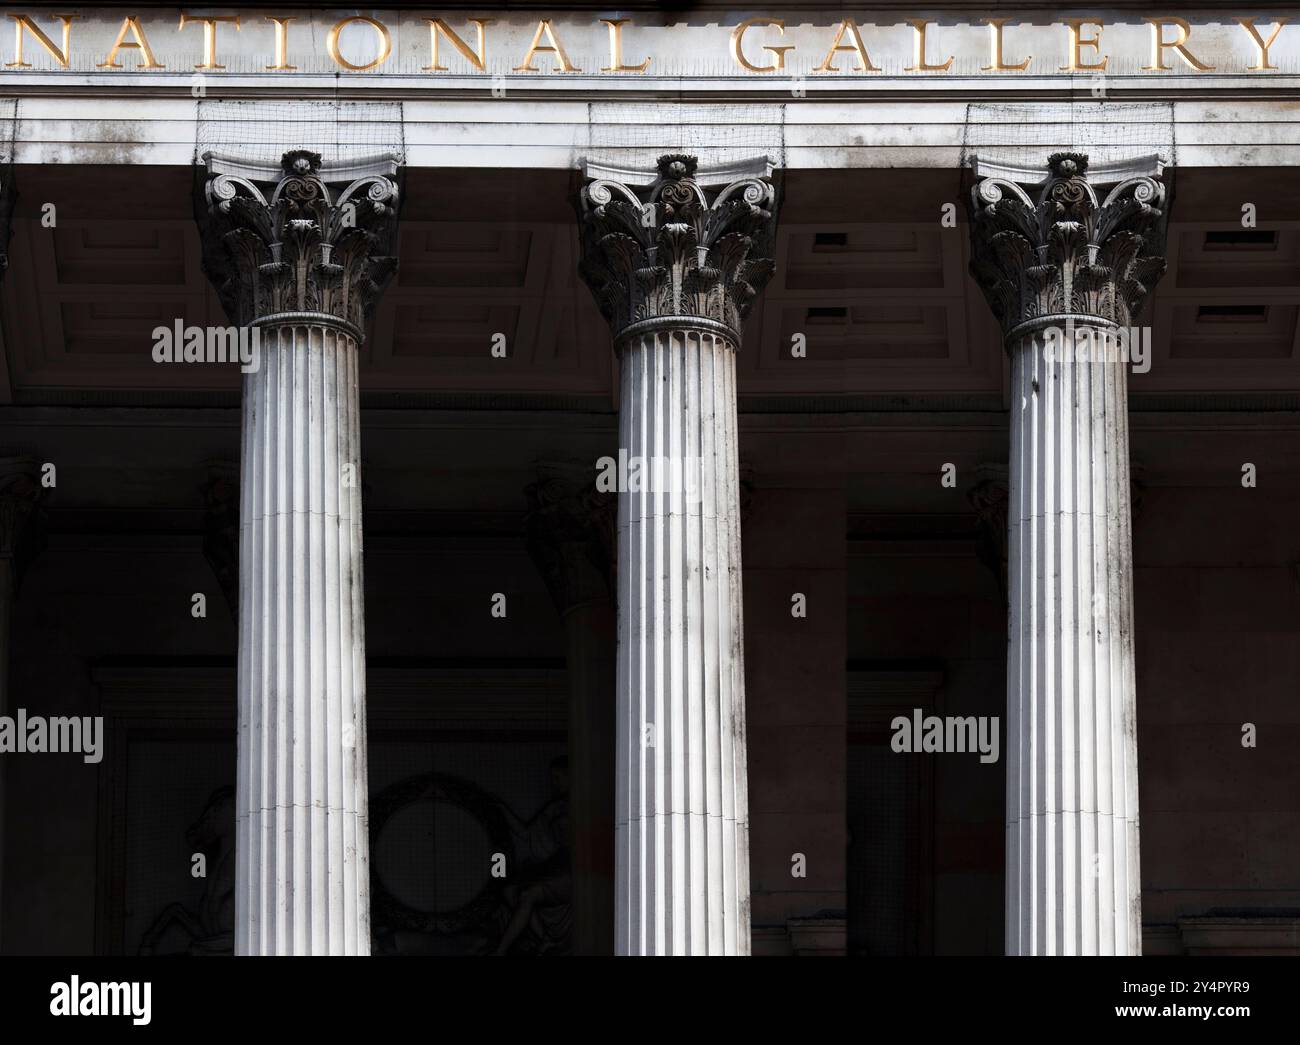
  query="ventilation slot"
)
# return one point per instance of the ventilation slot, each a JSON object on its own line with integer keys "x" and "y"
{"x": 1232, "y": 313}
{"x": 1241, "y": 239}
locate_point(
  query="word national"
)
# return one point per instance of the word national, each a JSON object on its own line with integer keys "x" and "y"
{"x": 510, "y": 41}
{"x": 102, "y": 999}
{"x": 36, "y": 734}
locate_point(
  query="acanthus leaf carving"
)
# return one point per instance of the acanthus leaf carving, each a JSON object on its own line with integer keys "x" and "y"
{"x": 677, "y": 246}
{"x": 304, "y": 242}
{"x": 1067, "y": 252}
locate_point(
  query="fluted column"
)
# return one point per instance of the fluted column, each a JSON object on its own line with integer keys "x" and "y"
{"x": 1066, "y": 269}
{"x": 19, "y": 493}
{"x": 675, "y": 259}
{"x": 570, "y": 537}
{"x": 21, "y": 538}
{"x": 299, "y": 256}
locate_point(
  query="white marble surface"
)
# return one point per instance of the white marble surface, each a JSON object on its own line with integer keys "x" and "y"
{"x": 681, "y": 819}
{"x": 303, "y": 879}
{"x": 1072, "y": 789}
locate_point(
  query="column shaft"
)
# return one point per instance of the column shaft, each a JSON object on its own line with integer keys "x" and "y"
{"x": 590, "y": 660}
{"x": 301, "y": 254}
{"x": 682, "y": 815}
{"x": 1066, "y": 269}
{"x": 571, "y": 538}
{"x": 6, "y": 616}
{"x": 303, "y": 878}
{"x": 20, "y": 495}
{"x": 1072, "y": 798}
{"x": 675, "y": 260}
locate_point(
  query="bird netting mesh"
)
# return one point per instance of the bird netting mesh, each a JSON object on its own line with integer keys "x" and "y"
{"x": 635, "y": 134}
{"x": 260, "y": 132}
{"x": 1025, "y": 134}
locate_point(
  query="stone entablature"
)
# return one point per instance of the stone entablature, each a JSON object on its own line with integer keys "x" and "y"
{"x": 541, "y": 89}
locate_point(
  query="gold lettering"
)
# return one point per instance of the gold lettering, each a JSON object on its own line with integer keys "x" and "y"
{"x": 381, "y": 34}
{"x": 737, "y": 40}
{"x": 209, "y": 36}
{"x": 1078, "y": 41}
{"x": 130, "y": 24}
{"x": 918, "y": 52}
{"x": 995, "y": 45}
{"x": 849, "y": 26}
{"x": 477, "y": 59}
{"x": 616, "y": 49}
{"x": 1261, "y": 44}
{"x": 1158, "y": 45}
{"x": 561, "y": 59}
{"x": 281, "y": 43}
{"x": 22, "y": 22}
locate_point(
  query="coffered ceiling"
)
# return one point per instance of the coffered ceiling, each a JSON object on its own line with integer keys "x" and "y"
{"x": 865, "y": 272}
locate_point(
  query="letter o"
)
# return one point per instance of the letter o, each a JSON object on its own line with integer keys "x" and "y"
{"x": 385, "y": 40}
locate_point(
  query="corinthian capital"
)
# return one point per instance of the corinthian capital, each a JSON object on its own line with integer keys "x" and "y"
{"x": 571, "y": 533}
{"x": 1067, "y": 253}
{"x": 21, "y": 534}
{"x": 298, "y": 240}
{"x": 678, "y": 244}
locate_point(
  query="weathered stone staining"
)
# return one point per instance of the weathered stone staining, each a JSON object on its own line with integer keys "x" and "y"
{"x": 301, "y": 254}
{"x": 675, "y": 259}
{"x": 1068, "y": 256}
{"x": 8, "y": 198}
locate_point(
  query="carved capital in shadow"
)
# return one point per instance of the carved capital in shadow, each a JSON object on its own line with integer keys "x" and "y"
{"x": 220, "y": 492}
{"x": 571, "y": 533}
{"x": 22, "y": 517}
